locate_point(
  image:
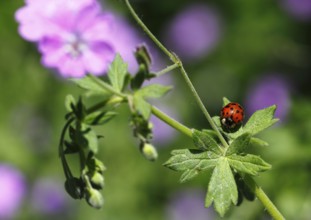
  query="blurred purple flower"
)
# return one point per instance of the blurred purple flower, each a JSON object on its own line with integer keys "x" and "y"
{"x": 12, "y": 191}
{"x": 194, "y": 32}
{"x": 77, "y": 37}
{"x": 189, "y": 204}
{"x": 48, "y": 197}
{"x": 74, "y": 40}
{"x": 300, "y": 9}
{"x": 271, "y": 89}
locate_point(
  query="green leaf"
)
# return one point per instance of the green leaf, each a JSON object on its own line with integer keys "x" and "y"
{"x": 192, "y": 162}
{"x": 99, "y": 117}
{"x": 88, "y": 84}
{"x": 216, "y": 120}
{"x": 258, "y": 142}
{"x": 85, "y": 137}
{"x": 260, "y": 120}
{"x": 250, "y": 164}
{"x": 117, "y": 73}
{"x": 204, "y": 141}
{"x": 143, "y": 107}
{"x": 222, "y": 189}
{"x": 69, "y": 102}
{"x": 153, "y": 91}
{"x": 239, "y": 144}
{"x": 225, "y": 101}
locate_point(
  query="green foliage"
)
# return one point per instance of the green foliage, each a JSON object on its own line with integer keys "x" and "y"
{"x": 117, "y": 73}
{"x": 222, "y": 189}
{"x": 226, "y": 162}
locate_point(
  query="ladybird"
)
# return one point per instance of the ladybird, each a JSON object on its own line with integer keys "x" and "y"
{"x": 231, "y": 116}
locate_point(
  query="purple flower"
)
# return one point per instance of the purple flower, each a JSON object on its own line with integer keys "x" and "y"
{"x": 12, "y": 191}
{"x": 194, "y": 32}
{"x": 300, "y": 9}
{"x": 189, "y": 204}
{"x": 74, "y": 39}
{"x": 269, "y": 90}
{"x": 48, "y": 197}
{"x": 77, "y": 37}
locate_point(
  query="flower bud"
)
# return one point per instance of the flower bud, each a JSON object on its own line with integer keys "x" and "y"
{"x": 149, "y": 152}
{"x": 97, "y": 180}
{"x": 94, "y": 198}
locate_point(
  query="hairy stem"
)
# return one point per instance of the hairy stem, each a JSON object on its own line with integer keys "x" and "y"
{"x": 264, "y": 199}
{"x": 173, "y": 123}
{"x": 148, "y": 32}
{"x": 167, "y": 69}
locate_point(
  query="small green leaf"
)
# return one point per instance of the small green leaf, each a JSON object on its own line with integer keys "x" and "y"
{"x": 222, "y": 189}
{"x": 260, "y": 120}
{"x": 204, "y": 141}
{"x": 225, "y": 101}
{"x": 85, "y": 137}
{"x": 153, "y": 91}
{"x": 88, "y": 84}
{"x": 192, "y": 162}
{"x": 239, "y": 144}
{"x": 250, "y": 164}
{"x": 143, "y": 107}
{"x": 69, "y": 101}
{"x": 99, "y": 117}
{"x": 117, "y": 73}
{"x": 216, "y": 120}
{"x": 258, "y": 142}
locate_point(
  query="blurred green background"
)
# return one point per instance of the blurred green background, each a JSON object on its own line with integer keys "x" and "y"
{"x": 256, "y": 40}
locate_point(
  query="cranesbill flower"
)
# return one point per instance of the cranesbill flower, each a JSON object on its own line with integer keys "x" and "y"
{"x": 194, "y": 32}
{"x": 72, "y": 39}
{"x": 12, "y": 191}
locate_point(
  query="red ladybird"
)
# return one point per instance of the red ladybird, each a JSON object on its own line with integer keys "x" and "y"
{"x": 231, "y": 116}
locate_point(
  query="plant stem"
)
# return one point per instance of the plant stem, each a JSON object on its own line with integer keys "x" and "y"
{"x": 202, "y": 107}
{"x": 166, "y": 70}
{"x": 148, "y": 32}
{"x": 173, "y": 123}
{"x": 264, "y": 199}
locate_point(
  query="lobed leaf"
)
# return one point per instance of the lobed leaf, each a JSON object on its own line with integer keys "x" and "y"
{"x": 192, "y": 162}
{"x": 204, "y": 141}
{"x": 250, "y": 164}
{"x": 99, "y": 117}
{"x": 153, "y": 91}
{"x": 222, "y": 189}
{"x": 143, "y": 107}
{"x": 260, "y": 120}
{"x": 117, "y": 73}
{"x": 88, "y": 84}
{"x": 239, "y": 144}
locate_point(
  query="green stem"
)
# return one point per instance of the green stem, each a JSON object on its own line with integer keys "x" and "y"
{"x": 148, "y": 32}
{"x": 173, "y": 123}
{"x": 264, "y": 199}
{"x": 167, "y": 69}
{"x": 202, "y": 107}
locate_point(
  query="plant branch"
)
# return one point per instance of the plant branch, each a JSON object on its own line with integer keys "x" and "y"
{"x": 173, "y": 123}
{"x": 264, "y": 199}
{"x": 148, "y": 32}
{"x": 166, "y": 70}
